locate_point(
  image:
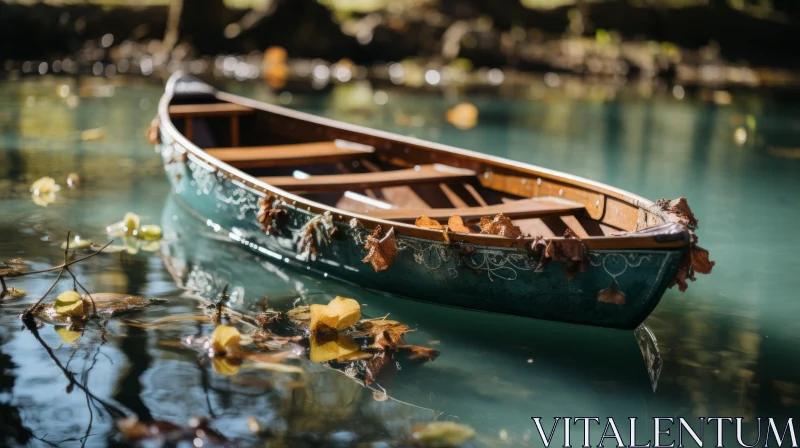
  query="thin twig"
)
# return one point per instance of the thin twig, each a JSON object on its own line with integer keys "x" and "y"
{"x": 29, "y": 312}
{"x": 62, "y": 266}
{"x": 75, "y": 281}
{"x": 112, "y": 410}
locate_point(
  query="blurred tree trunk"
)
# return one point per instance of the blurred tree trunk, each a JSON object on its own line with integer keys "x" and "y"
{"x": 202, "y": 24}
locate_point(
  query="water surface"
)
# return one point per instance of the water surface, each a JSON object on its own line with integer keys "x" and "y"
{"x": 729, "y": 344}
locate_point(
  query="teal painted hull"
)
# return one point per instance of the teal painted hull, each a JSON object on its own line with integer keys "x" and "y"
{"x": 492, "y": 279}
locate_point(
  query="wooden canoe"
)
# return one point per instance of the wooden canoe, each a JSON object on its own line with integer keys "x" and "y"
{"x": 344, "y": 201}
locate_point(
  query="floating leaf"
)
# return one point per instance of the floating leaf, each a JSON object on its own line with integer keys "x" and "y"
{"x": 612, "y": 294}
{"x": 12, "y": 267}
{"x": 73, "y": 180}
{"x": 456, "y": 224}
{"x": 225, "y": 340}
{"x": 149, "y": 232}
{"x": 500, "y": 225}
{"x": 44, "y": 186}
{"x": 441, "y": 434}
{"x": 16, "y": 293}
{"x": 91, "y": 135}
{"x": 302, "y": 313}
{"x": 67, "y": 335}
{"x": 128, "y": 226}
{"x": 428, "y": 223}
{"x": 69, "y": 303}
{"x": 381, "y": 251}
{"x": 77, "y": 243}
{"x": 700, "y": 261}
{"x": 325, "y": 347}
{"x": 225, "y": 366}
{"x": 416, "y": 352}
{"x": 151, "y": 246}
{"x": 339, "y": 314}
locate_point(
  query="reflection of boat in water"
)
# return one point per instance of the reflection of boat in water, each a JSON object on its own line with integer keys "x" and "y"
{"x": 481, "y": 353}
{"x": 331, "y": 197}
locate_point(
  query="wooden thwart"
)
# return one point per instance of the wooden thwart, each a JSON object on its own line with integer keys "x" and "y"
{"x": 288, "y": 155}
{"x": 359, "y": 181}
{"x": 524, "y": 208}
{"x": 207, "y": 110}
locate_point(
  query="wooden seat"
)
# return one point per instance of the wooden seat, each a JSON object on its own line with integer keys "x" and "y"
{"x": 207, "y": 110}
{"x": 287, "y": 155}
{"x": 523, "y": 208}
{"x": 359, "y": 181}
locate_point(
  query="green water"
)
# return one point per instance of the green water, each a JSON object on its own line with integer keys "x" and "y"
{"x": 729, "y": 344}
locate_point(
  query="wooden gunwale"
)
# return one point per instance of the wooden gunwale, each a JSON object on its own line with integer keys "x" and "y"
{"x": 386, "y": 141}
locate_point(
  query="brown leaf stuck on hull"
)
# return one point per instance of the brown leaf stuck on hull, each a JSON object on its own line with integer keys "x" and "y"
{"x": 152, "y": 134}
{"x": 570, "y": 251}
{"x": 381, "y": 250}
{"x": 680, "y": 211}
{"x": 316, "y": 233}
{"x": 271, "y": 214}
{"x": 428, "y": 223}
{"x": 696, "y": 258}
{"x": 612, "y": 294}
{"x": 500, "y": 225}
{"x": 456, "y": 224}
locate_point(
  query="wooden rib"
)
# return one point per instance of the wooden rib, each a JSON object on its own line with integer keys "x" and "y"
{"x": 474, "y": 193}
{"x": 234, "y": 130}
{"x": 360, "y": 181}
{"x": 556, "y": 225}
{"x": 454, "y": 198}
{"x": 574, "y": 224}
{"x": 524, "y": 208}
{"x": 187, "y": 128}
{"x": 287, "y": 155}
{"x": 207, "y": 110}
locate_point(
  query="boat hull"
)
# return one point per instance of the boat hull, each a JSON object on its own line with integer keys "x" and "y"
{"x": 492, "y": 279}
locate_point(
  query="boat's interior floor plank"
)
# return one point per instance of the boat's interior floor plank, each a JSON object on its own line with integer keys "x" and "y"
{"x": 358, "y": 181}
{"x": 523, "y": 208}
{"x": 287, "y": 155}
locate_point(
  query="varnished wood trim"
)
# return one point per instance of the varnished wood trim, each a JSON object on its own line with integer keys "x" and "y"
{"x": 359, "y": 181}
{"x": 208, "y": 110}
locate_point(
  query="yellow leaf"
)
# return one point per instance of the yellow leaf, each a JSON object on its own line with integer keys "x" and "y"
{"x": 441, "y": 434}
{"x": 337, "y": 315}
{"x": 69, "y": 303}
{"x": 149, "y": 232}
{"x": 327, "y": 347}
{"x": 226, "y": 339}
{"x": 225, "y": 366}
{"x": 67, "y": 335}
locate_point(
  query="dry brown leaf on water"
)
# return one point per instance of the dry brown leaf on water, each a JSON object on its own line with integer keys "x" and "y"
{"x": 373, "y": 367}
{"x": 441, "y": 434}
{"x": 226, "y": 340}
{"x": 381, "y": 250}
{"x": 500, "y": 225}
{"x": 456, "y": 224}
{"x": 418, "y": 352}
{"x": 339, "y": 314}
{"x": 13, "y": 267}
{"x": 226, "y": 366}
{"x": 300, "y": 313}
{"x": 325, "y": 347}
{"x": 428, "y": 223}
{"x": 612, "y": 294}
